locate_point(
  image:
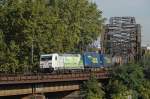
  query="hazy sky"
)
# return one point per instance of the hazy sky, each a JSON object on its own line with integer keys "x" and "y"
{"x": 140, "y": 9}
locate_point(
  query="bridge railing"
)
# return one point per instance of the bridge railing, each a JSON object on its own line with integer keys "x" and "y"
{"x": 39, "y": 77}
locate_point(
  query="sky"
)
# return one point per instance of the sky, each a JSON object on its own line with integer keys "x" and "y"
{"x": 140, "y": 9}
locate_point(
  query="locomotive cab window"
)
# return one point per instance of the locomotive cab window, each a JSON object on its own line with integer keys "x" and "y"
{"x": 46, "y": 58}
{"x": 56, "y": 58}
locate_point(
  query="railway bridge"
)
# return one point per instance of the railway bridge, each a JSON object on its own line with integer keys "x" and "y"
{"x": 14, "y": 85}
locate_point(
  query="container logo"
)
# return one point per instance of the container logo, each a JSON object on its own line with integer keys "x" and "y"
{"x": 93, "y": 59}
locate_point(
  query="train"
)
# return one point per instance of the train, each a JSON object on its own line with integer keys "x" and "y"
{"x": 72, "y": 62}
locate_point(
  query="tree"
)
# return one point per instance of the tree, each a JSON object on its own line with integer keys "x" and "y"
{"x": 129, "y": 80}
{"x": 2, "y": 48}
{"x": 144, "y": 90}
{"x": 26, "y": 23}
{"x": 130, "y": 74}
{"x": 117, "y": 90}
{"x": 44, "y": 26}
{"x": 146, "y": 63}
{"x": 81, "y": 22}
{"x": 92, "y": 89}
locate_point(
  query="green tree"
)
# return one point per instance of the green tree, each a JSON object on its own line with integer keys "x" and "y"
{"x": 146, "y": 63}
{"x": 26, "y": 23}
{"x": 130, "y": 74}
{"x": 47, "y": 26}
{"x": 2, "y": 48}
{"x": 117, "y": 90}
{"x": 144, "y": 90}
{"x": 129, "y": 80}
{"x": 92, "y": 89}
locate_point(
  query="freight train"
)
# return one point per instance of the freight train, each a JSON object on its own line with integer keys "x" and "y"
{"x": 72, "y": 62}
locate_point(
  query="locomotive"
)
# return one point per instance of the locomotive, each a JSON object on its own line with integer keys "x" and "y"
{"x": 71, "y": 62}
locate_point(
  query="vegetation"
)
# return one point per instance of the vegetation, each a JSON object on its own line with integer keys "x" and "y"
{"x": 146, "y": 63}
{"x": 92, "y": 89}
{"x": 129, "y": 81}
{"x": 130, "y": 75}
{"x": 144, "y": 90}
{"x": 117, "y": 90}
{"x": 45, "y": 26}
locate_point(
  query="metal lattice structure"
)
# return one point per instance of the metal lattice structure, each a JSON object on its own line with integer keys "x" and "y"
{"x": 122, "y": 37}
